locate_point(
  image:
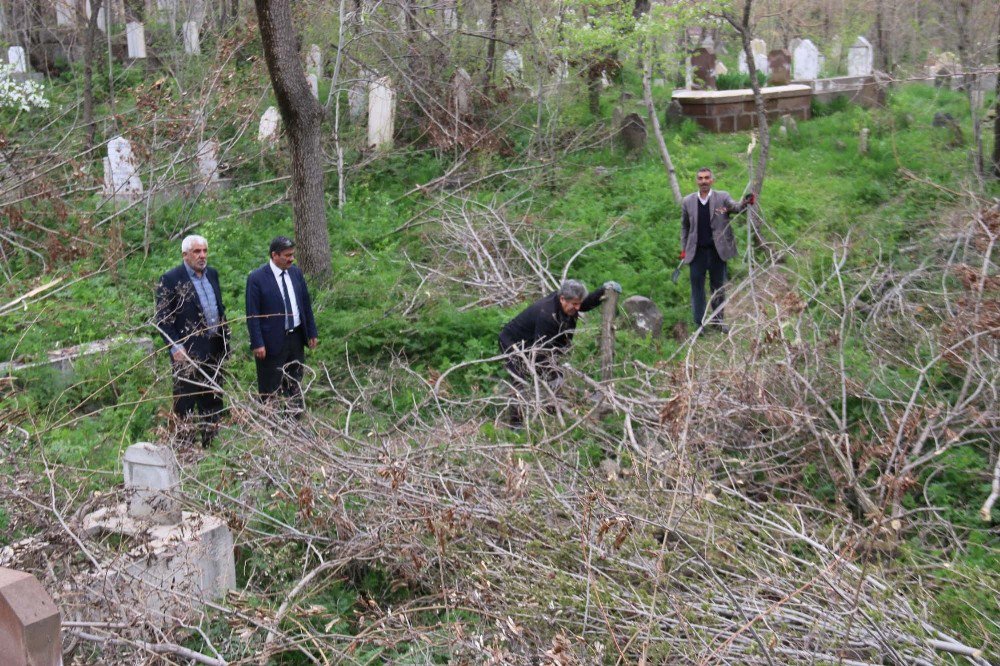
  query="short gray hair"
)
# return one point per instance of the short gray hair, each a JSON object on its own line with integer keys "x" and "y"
{"x": 572, "y": 290}
{"x": 191, "y": 240}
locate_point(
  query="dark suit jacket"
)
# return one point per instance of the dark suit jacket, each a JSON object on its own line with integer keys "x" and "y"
{"x": 722, "y": 232}
{"x": 266, "y": 309}
{"x": 179, "y": 317}
{"x": 544, "y": 323}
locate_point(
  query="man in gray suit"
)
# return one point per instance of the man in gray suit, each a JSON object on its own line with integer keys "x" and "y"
{"x": 707, "y": 243}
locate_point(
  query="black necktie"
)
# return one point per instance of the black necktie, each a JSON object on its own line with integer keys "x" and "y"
{"x": 289, "y": 319}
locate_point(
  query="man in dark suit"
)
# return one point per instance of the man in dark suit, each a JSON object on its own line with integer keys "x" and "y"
{"x": 191, "y": 318}
{"x": 280, "y": 322}
{"x": 707, "y": 243}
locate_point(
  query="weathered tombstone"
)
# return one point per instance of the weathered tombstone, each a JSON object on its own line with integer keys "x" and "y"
{"x": 17, "y": 59}
{"x": 633, "y": 132}
{"x": 675, "y": 114}
{"x": 314, "y": 60}
{"x": 720, "y": 69}
{"x": 461, "y": 93}
{"x": 151, "y": 477}
{"x": 121, "y": 176}
{"x": 860, "y": 58}
{"x": 135, "y": 34}
{"x": 783, "y": 133}
{"x": 512, "y": 63}
{"x": 741, "y": 63}
{"x": 788, "y": 124}
{"x": 102, "y": 19}
{"x": 381, "y": 113}
{"x": 267, "y": 132}
{"x": 450, "y": 15}
{"x": 779, "y": 62}
{"x": 313, "y": 84}
{"x": 863, "y": 141}
{"x": 192, "y": 41}
{"x": 357, "y": 98}
{"x": 208, "y": 161}
{"x": 758, "y": 47}
{"x": 703, "y": 69}
{"x": 793, "y": 44}
{"x": 643, "y": 316}
{"x": 65, "y": 12}
{"x": 29, "y": 622}
{"x": 759, "y": 62}
{"x": 805, "y": 61}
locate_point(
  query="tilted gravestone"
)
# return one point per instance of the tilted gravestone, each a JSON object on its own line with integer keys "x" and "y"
{"x": 192, "y": 41}
{"x": 29, "y": 622}
{"x": 643, "y": 316}
{"x": 267, "y": 132}
{"x": 135, "y": 35}
{"x": 860, "y": 58}
{"x": 461, "y": 93}
{"x": 381, "y": 113}
{"x": 121, "y": 176}
{"x": 151, "y": 478}
{"x": 805, "y": 61}
{"x": 779, "y": 63}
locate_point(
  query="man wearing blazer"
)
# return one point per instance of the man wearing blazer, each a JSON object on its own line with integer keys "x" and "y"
{"x": 191, "y": 318}
{"x": 280, "y": 322}
{"x": 707, "y": 243}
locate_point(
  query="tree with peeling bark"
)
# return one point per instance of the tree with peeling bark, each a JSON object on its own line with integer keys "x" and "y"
{"x": 302, "y": 116}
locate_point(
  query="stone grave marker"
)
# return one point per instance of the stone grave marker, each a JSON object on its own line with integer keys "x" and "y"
{"x": 192, "y": 41}
{"x": 633, "y": 132}
{"x": 208, "y": 161}
{"x": 151, "y": 475}
{"x": 135, "y": 34}
{"x": 720, "y": 68}
{"x": 461, "y": 93}
{"x": 860, "y": 58}
{"x": 121, "y": 176}
{"x": 450, "y": 15}
{"x": 313, "y": 84}
{"x": 512, "y": 63}
{"x": 29, "y": 622}
{"x": 314, "y": 60}
{"x": 643, "y": 316}
{"x": 65, "y": 12}
{"x": 357, "y": 98}
{"x": 703, "y": 69}
{"x": 793, "y": 44}
{"x": 267, "y": 132}
{"x": 863, "y": 141}
{"x": 17, "y": 59}
{"x": 102, "y": 19}
{"x": 381, "y": 113}
{"x": 805, "y": 61}
{"x": 779, "y": 62}
{"x": 741, "y": 63}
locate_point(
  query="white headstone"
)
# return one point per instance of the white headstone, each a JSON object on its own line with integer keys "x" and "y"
{"x": 793, "y": 44}
{"x": 860, "y": 58}
{"x": 102, "y": 19}
{"x": 65, "y": 12}
{"x": 381, "y": 113}
{"x": 761, "y": 62}
{"x": 720, "y": 69}
{"x": 461, "y": 89}
{"x": 313, "y": 84}
{"x": 192, "y": 41}
{"x": 151, "y": 475}
{"x": 805, "y": 61}
{"x": 450, "y": 15}
{"x": 758, "y": 47}
{"x": 314, "y": 60}
{"x": 121, "y": 176}
{"x": 512, "y": 63}
{"x": 166, "y": 5}
{"x": 17, "y": 59}
{"x": 136, "y": 37}
{"x": 741, "y": 62}
{"x": 268, "y": 130}
{"x": 208, "y": 160}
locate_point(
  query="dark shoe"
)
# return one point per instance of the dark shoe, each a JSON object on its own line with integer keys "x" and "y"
{"x": 721, "y": 328}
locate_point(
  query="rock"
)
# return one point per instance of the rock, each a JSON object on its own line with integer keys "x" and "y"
{"x": 643, "y": 316}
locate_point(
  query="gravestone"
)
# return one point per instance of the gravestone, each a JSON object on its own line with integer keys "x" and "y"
{"x": 461, "y": 93}
{"x": 793, "y": 44}
{"x": 102, "y": 19}
{"x": 788, "y": 124}
{"x": 151, "y": 477}
{"x": 779, "y": 63}
{"x": 643, "y": 316}
{"x": 357, "y": 98}
{"x": 267, "y": 132}
{"x": 381, "y": 113}
{"x": 675, "y": 114}
{"x": 703, "y": 69}
{"x": 135, "y": 34}
{"x": 29, "y": 622}
{"x": 192, "y": 41}
{"x": 805, "y": 61}
{"x": 17, "y": 59}
{"x": 65, "y": 12}
{"x": 720, "y": 69}
{"x": 759, "y": 62}
{"x": 863, "y": 141}
{"x": 450, "y": 15}
{"x": 860, "y": 58}
{"x": 758, "y": 47}
{"x": 512, "y": 63}
{"x": 314, "y": 60}
{"x": 633, "y": 132}
{"x": 208, "y": 161}
{"x": 313, "y": 84}
{"x": 741, "y": 63}
{"x": 121, "y": 176}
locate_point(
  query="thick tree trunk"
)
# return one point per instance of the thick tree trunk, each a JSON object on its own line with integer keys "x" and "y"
{"x": 594, "y": 90}
{"x": 491, "y": 46}
{"x": 302, "y": 115}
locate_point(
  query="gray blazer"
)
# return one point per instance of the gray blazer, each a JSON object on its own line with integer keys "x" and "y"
{"x": 722, "y": 206}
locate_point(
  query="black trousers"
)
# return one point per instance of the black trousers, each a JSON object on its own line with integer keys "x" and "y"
{"x": 194, "y": 393}
{"x": 280, "y": 374}
{"x": 522, "y": 371}
{"x": 707, "y": 260}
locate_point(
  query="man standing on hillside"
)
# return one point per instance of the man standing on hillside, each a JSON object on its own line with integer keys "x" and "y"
{"x": 280, "y": 322}
{"x": 707, "y": 243}
{"x": 192, "y": 320}
{"x": 534, "y": 340}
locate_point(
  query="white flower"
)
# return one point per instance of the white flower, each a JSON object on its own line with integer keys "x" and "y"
{"x": 23, "y": 95}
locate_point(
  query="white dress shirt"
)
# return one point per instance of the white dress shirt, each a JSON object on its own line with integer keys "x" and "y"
{"x": 287, "y": 286}
{"x": 703, "y": 201}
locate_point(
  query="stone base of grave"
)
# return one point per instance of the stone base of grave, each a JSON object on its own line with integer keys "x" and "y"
{"x": 733, "y": 110}
{"x": 27, "y": 76}
{"x": 171, "y": 569}
{"x": 64, "y": 360}
{"x": 861, "y": 90}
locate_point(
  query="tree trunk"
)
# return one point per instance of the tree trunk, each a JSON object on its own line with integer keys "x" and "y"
{"x": 996, "y": 119}
{"x": 654, "y": 121}
{"x": 609, "y": 306}
{"x": 302, "y": 115}
{"x": 491, "y": 46}
{"x": 89, "y": 39}
{"x": 594, "y": 90}
{"x": 881, "y": 47}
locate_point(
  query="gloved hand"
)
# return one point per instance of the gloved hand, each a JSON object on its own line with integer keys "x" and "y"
{"x": 750, "y": 199}
{"x": 614, "y": 286}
